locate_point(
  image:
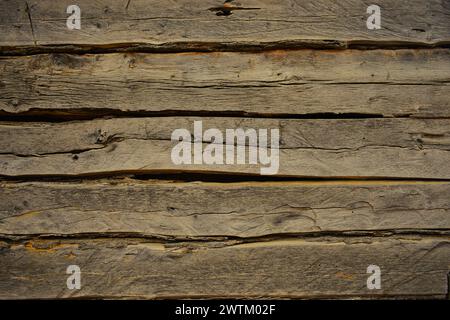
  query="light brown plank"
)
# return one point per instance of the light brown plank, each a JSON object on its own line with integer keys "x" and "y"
{"x": 122, "y": 268}
{"x": 298, "y": 82}
{"x": 254, "y": 209}
{"x": 43, "y": 22}
{"x": 396, "y": 148}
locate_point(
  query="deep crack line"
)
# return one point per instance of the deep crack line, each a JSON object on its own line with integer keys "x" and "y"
{"x": 232, "y": 240}
{"x": 214, "y": 46}
{"x": 127, "y": 5}
{"x": 31, "y": 23}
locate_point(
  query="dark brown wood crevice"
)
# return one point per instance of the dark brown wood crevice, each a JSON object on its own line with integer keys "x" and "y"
{"x": 227, "y": 240}
{"x": 179, "y": 47}
{"x": 67, "y": 115}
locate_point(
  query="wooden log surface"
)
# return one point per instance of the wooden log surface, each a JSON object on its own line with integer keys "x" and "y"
{"x": 195, "y": 210}
{"x": 298, "y": 82}
{"x": 394, "y": 148}
{"x": 134, "y": 268}
{"x": 105, "y": 22}
{"x": 364, "y": 177}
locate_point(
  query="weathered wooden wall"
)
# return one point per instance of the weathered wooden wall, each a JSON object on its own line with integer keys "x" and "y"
{"x": 85, "y": 139}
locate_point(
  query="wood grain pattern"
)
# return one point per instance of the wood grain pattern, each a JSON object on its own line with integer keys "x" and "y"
{"x": 398, "y": 148}
{"x": 364, "y": 113}
{"x": 299, "y": 82}
{"x": 196, "y": 210}
{"x": 124, "y": 268}
{"x": 106, "y": 22}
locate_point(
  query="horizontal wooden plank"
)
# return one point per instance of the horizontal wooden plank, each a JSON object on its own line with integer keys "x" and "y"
{"x": 104, "y": 22}
{"x": 254, "y": 209}
{"x": 298, "y": 82}
{"x": 122, "y": 268}
{"x": 395, "y": 148}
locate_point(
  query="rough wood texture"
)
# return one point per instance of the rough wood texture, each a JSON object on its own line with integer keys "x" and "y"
{"x": 396, "y": 148}
{"x": 187, "y": 210}
{"x": 369, "y": 104}
{"x": 43, "y": 22}
{"x": 286, "y": 268}
{"x": 298, "y": 82}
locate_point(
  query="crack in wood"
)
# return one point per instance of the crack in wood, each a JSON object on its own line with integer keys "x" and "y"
{"x": 67, "y": 115}
{"x": 354, "y": 236}
{"x": 127, "y": 5}
{"x": 178, "y": 47}
{"x": 201, "y": 176}
{"x": 228, "y": 7}
{"x": 227, "y": 11}
{"x": 28, "y": 10}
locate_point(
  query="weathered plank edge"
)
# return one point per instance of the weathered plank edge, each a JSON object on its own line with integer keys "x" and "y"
{"x": 252, "y": 210}
{"x": 284, "y": 84}
{"x": 403, "y": 260}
